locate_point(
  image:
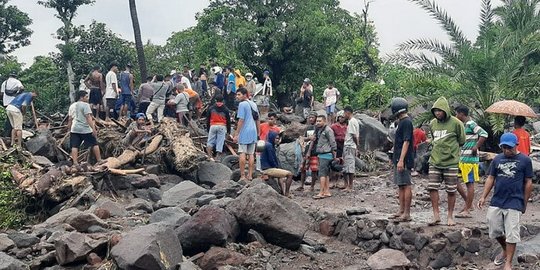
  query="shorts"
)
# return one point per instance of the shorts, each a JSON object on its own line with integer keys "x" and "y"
{"x": 125, "y": 99}
{"x": 469, "y": 172}
{"x": 248, "y": 149}
{"x": 111, "y": 103}
{"x": 440, "y": 175}
{"x": 277, "y": 173}
{"x": 75, "y": 140}
{"x": 15, "y": 117}
{"x": 504, "y": 222}
{"x": 330, "y": 109}
{"x": 339, "y": 150}
{"x": 313, "y": 164}
{"x": 349, "y": 160}
{"x": 216, "y": 137}
{"x": 402, "y": 178}
{"x": 96, "y": 98}
{"x": 324, "y": 167}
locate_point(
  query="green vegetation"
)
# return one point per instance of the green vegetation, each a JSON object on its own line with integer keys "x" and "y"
{"x": 14, "y": 31}
{"x": 12, "y": 201}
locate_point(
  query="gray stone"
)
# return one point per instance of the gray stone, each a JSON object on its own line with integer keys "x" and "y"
{"x": 366, "y": 235}
{"x": 210, "y": 226}
{"x": 253, "y": 236}
{"x": 473, "y": 245}
{"x": 173, "y": 216}
{"x": 9, "y": 263}
{"x": 140, "y": 205}
{"x": 23, "y": 240}
{"x": 170, "y": 179}
{"x": 43, "y": 144}
{"x": 96, "y": 229}
{"x": 371, "y": 246}
{"x": 212, "y": 173}
{"x": 43, "y": 161}
{"x": 153, "y": 169}
{"x": 408, "y": 237}
{"x": 223, "y": 202}
{"x": 148, "y": 247}
{"x": 205, "y": 199}
{"x": 146, "y": 181}
{"x": 287, "y": 154}
{"x": 280, "y": 220}
{"x": 82, "y": 221}
{"x": 530, "y": 246}
{"x": 58, "y": 219}
{"x": 74, "y": 246}
{"x": 181, "y": 193}
{"x": 348, "y": 235}
{"x": 443, "y": 259}
{"x": 22, "y": 253}
{"x": 437, "y": 245}
{"x": 454, "y": 237}
{"x": 5, "y": 242}
{"x": 373, "y": 134}
{"x": 218, "y": 256}
{"x": 114, "y": 208}
{"x": 154, "y": 194}
{"x": 188, "y": 265}
{"x": 307, "y": 250}
{"x": 227, "y": 188}
{"x": 384, "y": 238}
{"x": 357, "y": 211}
{"x": 527, "y": 258}
{"x": 396, "y": 243}
{"x": 388, "y": 259}
{"x": 420, "y": 242}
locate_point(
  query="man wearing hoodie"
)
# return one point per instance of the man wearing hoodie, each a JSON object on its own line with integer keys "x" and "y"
{"x": 270, "y": 164}
{"x": 239, "y": 79}
{"x": 219, "y": 124}
{"x": 448, "y": 135}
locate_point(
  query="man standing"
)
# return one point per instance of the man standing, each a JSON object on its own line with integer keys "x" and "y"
{"x": 181, "y": 102}
{"x": 10, "y": 89}
{"x": 266, "y": 91}
{"x": 350, "y": 148}
{"x": 15, "y": 112}
{"x": 448, "y": 135}
{"x": 145, "y": 95}
{"x": 111, "y": 90}
{"x": 310, "y": 161}
{"x": 94, "y": 81}
{"x": 511, "y": 173}
{"x": 82, "y": 127}
{"x": 246, "y": 131}
{"x": 126, "y": 86}
{"x": 158, "y": 99}
{"x": 219, "y": 125}
{"x": 523, "y": 136}
{"x": 403, "y": 158}
{"x": 331, "y": 96}
{"x": 306, "y": 95}
{"x": 340, "y": 130}
{"x": 251, "y": 86}
{"x": 230, "y": 88}
{"x": 468, "y": 162}
{"x": 326, "y": 152}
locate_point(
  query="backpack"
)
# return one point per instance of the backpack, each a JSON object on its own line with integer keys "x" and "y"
{"x": 14, "y": 91}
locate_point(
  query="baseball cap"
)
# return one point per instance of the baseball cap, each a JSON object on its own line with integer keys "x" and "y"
{"x": 249, "y": 75}
{"x": 307, "y": 80}
{"x": 140, "y": 115}
{"x": 173, "y": 72}
{"x": 509, "y": 139}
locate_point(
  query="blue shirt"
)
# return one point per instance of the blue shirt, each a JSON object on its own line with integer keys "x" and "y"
{"x": 231, "y": 83}
{"x": 248, "y": 133}
{"x": 220, "y": 81}
{"x": 23, "y": 99}
{"x": 125, "y": 83}
{"x": 510, "y": 174}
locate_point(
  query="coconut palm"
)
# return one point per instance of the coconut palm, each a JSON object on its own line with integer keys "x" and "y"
{"x": 138, "y": 40}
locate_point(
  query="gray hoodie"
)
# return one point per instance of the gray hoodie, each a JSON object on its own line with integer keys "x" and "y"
{"x": 326, "y": 142}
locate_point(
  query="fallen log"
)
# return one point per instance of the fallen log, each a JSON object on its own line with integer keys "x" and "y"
{"x": 183, "y": 155}
{"x": 126, "y": 172}
{"x": 130, "y": 155}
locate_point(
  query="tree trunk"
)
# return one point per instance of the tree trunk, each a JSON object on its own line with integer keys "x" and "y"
{"x": 138, "y": 40}
{"x": 71, "y": 80}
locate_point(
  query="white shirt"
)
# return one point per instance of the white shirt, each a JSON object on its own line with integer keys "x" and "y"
{"x": 109, "y": 80}
{"x": 185, "y": 80}
{"x": 353, "y": 128}
{"x": 9, "y": 84}
{"x": 331, "y": 96}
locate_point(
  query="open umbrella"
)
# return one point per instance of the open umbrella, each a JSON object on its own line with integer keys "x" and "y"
{"x": 512, "y": 107}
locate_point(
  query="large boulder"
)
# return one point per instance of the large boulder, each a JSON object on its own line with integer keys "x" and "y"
{"x": 287, "y": 156}
{"x": 213, "y": 173}
{"x": 23, "y": 240}
{"x": 210, "y": 226}
{"x": 217, "y": 256}
{"x": 227, "y": 188}
{"x": 43, "y": 144}
{"x": 148, "y": 247}
{"x": 74, "y": 246}
{"x": 181, "y": 193}
{"x": 170, "y": 216}
{"x": 287, "y": 118}
{"x": 373, "y": 134}
{"x": 9, "y": 263}
{"x": 529, "y": 247}
{"x": 146, "y": 181}
{"x": 280, "y": 220}
{"x": 114, "y": 208}
{"x": 388, "y": 259}
{"x": 82, "y": 221}
{"x": 293, "y": 131}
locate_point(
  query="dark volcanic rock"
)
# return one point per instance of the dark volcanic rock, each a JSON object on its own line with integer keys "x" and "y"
{"x": 212, "y": 173}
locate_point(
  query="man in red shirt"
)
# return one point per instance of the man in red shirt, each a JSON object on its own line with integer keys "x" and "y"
{"x": 524, "y": 139}
{"x": 264, "y": 129}
{"x": 419, "y": 136}
{"x": 340, "y": 129}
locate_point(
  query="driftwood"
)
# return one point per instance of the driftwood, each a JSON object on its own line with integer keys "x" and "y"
{"x": 183, "y": 155}
{"x": 130, "y": 155}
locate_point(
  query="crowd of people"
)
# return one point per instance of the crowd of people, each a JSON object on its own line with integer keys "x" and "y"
{"x": 330, "y": 144}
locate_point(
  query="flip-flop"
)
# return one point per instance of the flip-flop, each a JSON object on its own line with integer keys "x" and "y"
{"x": 326, "y": 196}
{"x": 317, "y": 197}
{"x": 451, "y": 225}
{"x": 399, "y": 220}
{"x": 434, "y": 223}
{"x": 460, "y": 215}
{"x": 299, "y": 189}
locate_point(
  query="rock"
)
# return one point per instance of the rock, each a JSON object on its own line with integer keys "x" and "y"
{"x": 408, "y": 237}
{"x": 5, "y": 242}
{"x": 366, "y": 235}
{"x": 218, "y": 256}
{"x": 385, "y": 239}
{"x": 536, "y": 126}
{"x": 23, "y": 240}
{"x": 43, "y": 161}
{"x": 82, "y": 221}
{"x": 147, "y": 248}
{"x": 420, "y": 242}
{"x": 472, "y": 246}
{"x": 140, "y": 205}
{"x": 153, "y": 169}
{"x": 454, "y": 237}
{"x": 96, "y": 229}
{"x": 58, "y": 219}
{"x": 22, "y": 253}
{"x": 170, "y": 179}
{"x": 9, "y": 263}
{"x": 308, "y": 251}
{"x": 287, "y": 153}
{"x": 146, "y": 181}
{"x": 188, "y": 265}
{"x": 530, "y": 246}
{"x": 93, "y": 259}
{"x": 181, "y": 193}
{"x": 437, "y": 245}
{"x": 371, "y": 246}
{"x": 357, "y": 211}
{"x": 280, "y": 220}
{"x": 74, "y": 246}
{"x": 396, "y": 243}
{"x": 327, "y": 227}
{"x": 348, "y": 234}
{"x": 227, "y": 188}
{"x": 154, "y": 194}
{"x": 294, "y": 120}
{"x": 444, "y": 259}
{"x": 231, "y": 161}
{"x": 527, "y": 258}
{"x": 388, "y": 259}
{"x": 114, "y": 208}
{"x": 173, "y": 216}
{"x": 102, "y": 213}
{"x": 373, "y": 134}
{"x": 253, "y": 236}
{"x": 210, "y": 226}
{"x": 43, "y": 144}
{"x": 222, "y": 203}
{"x": 205, "y": 199}
{"x": 212, "y": 173}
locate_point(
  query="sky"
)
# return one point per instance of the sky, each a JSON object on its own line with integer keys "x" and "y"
{"x": 395, "y": 21}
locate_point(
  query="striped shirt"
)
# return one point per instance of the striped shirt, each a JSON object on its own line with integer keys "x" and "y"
{"x": 472, "y": 132}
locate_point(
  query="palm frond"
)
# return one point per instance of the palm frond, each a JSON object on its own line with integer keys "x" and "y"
{"x": 446, "y": 52}
{"x": 486, "y": 16}
{"x": 456, "y": 35}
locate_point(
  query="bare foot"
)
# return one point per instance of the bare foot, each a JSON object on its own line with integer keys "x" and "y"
{"x": 396, "y": 215}
{"x": 300, "y": 189}
{"x": 451, "y": 222}
{"x": 507, "y": 267}
{"x": 312, "y": 189}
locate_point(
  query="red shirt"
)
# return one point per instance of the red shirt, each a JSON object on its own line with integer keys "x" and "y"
{"x": 339, "y": 132}
{"x": 524, "y": 141}
{"x": 265, "y": 129}
{"x": 419, "y": 136}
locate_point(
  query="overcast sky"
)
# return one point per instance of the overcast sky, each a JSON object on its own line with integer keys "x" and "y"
{"x": 395, "y": 20}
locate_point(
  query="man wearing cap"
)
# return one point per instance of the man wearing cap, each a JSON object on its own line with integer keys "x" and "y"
{"x": 306, "y": 95}
{"x": 511, "y": 174}
{"x": 126, "y": 86}
{"x": 10, "y": 88}
{"x": 136, "y": 131}
{"x": 251, "y": 86}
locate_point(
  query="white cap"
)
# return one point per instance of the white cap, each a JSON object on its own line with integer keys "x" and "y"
{"x": 173, "y": 72}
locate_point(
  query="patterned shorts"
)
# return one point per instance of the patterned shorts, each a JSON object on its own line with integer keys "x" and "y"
{"x": 448, "y": 176}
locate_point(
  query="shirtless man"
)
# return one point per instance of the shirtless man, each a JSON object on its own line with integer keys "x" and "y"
{"x": 94, "y": 81}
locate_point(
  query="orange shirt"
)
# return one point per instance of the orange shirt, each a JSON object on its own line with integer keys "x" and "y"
{"x": 191, "y": 93}
{"x": 265, "y": 129}
{"x": 524, "y": 140}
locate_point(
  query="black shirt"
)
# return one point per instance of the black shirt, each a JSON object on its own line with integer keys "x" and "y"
{"x": 404, "y": 133}
{"x": 306, "y": 102}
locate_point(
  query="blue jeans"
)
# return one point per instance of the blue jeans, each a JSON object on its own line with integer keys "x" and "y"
{"x": 216, "y": 137}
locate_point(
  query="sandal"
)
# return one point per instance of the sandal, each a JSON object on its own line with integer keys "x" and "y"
{"x": 461, "y": 215}
{"x": 318, "y": 197}
{"x": 499, "y": 260}
{"x": 434, "y": 223}
{"x": 399, "y": 220}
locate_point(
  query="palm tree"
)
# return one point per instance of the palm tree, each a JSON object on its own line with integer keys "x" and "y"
{"x": 138, "y": 40}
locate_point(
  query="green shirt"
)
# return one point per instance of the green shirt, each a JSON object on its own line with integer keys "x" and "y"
{"x": 472, "y": 133}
